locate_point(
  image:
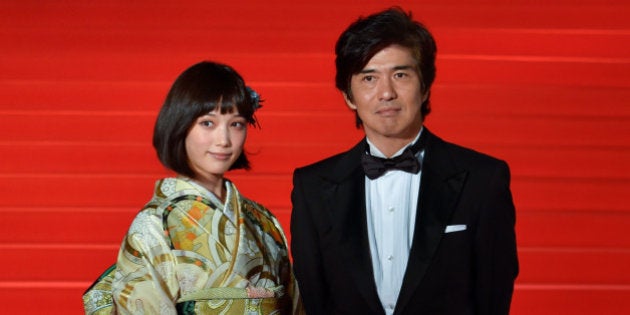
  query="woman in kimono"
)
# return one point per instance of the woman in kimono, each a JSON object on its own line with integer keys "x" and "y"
{"x": 199, "y": 246}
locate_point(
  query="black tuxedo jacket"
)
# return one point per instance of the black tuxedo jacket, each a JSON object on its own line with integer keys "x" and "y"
{"x": 470, "y": 271}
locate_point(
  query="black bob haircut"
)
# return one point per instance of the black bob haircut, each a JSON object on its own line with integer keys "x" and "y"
{"x": 197, "y": 91}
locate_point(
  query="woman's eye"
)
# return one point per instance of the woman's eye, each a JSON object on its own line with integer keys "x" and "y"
{"x": 207, "y": 123}
{"x": 239, "y": 124}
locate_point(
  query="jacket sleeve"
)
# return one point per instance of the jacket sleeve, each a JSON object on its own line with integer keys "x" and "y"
{"x": 305, "y": 247}
{"x": 496, "y": 257}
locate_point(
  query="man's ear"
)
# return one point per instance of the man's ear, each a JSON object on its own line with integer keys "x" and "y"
{"x": 425, "y": 96}
{"x": 349, "y": 102}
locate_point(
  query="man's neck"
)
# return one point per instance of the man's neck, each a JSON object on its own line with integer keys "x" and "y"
{"x": 390, "y": 145}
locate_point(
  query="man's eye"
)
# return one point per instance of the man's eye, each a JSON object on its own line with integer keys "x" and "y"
{"x": 400, "y": 75}
{"x": 368, "y": 78}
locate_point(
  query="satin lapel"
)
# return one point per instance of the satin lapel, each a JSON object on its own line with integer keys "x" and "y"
{"x": 346, "y": 200}
{"x": 440, "y": 187}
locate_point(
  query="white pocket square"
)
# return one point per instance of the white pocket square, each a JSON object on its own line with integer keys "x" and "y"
{"x": 455, "y": 228}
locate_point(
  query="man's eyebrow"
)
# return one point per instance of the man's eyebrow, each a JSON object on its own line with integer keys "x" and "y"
{"x": 367, "y": 71}
{"x": 395, "y": 68}
{"x": 404, "y": 67}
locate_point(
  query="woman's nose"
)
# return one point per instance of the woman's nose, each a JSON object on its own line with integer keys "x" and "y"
{"x": 222, "y": 137}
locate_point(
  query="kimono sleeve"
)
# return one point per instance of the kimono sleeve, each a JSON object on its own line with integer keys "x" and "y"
{"x": 145, "y": 280}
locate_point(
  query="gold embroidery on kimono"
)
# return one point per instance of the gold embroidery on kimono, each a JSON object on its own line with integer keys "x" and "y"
{"x": 187, "y": 252}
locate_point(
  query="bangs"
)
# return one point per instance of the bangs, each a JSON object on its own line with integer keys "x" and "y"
{"x": 225, "y": 98}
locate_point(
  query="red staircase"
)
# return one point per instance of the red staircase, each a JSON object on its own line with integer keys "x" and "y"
{"x": 543, "y": 85}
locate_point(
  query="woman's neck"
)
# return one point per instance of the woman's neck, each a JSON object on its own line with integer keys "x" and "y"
{"x": 213, "y": 184}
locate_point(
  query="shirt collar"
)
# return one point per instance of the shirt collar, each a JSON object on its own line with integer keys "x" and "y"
{"x": 374, "y": 151}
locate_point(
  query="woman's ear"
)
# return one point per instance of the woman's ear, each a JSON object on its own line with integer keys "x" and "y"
{"x": 349, "y": 102}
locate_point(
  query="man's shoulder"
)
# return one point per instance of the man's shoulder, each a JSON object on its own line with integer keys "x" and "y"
{"x": 324, "y": 164}
{"x": 470, "y": 153}
{"x": 466, "y": 155}
{"x": 335, "y": 166}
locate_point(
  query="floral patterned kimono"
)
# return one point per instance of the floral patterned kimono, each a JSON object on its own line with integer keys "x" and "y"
{"x": 187, "y": 252}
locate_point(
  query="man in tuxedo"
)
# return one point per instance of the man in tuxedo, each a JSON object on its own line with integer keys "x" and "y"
{"x": 403, "y": 222}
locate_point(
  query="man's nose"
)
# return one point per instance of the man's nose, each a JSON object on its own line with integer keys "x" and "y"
{"x": 386, "y": 90}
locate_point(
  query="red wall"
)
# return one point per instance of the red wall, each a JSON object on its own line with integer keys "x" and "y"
{"x": 542, "y": 84}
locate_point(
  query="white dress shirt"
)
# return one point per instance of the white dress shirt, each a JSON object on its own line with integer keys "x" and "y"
{"x": 391, "y": 202}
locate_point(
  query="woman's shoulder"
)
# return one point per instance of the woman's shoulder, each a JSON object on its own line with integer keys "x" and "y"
{"x": 255, "y": 206}
{"x": 260, "y": 212}
{"x": 173, "y": 187}
{"x": 260, "y": 216}
{"x": 168, "y": 193}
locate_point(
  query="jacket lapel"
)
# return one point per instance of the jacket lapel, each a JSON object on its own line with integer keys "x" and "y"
{"x": 346, "y": 199}
{"x": 440, "y": 187}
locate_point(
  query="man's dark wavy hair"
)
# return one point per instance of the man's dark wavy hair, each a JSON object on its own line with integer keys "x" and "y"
{"x": 368, "y": 35}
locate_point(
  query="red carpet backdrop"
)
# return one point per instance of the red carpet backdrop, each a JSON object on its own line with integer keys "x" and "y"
{"x": 544, "y": 85}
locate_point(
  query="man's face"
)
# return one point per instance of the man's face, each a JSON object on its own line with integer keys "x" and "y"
{"x": 387, "y": 97}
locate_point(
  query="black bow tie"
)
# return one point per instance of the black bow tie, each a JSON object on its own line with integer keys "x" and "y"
{"x": 375, "y": 167}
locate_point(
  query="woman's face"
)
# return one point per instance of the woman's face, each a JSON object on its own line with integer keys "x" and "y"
{"x": 214, "y": 142}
